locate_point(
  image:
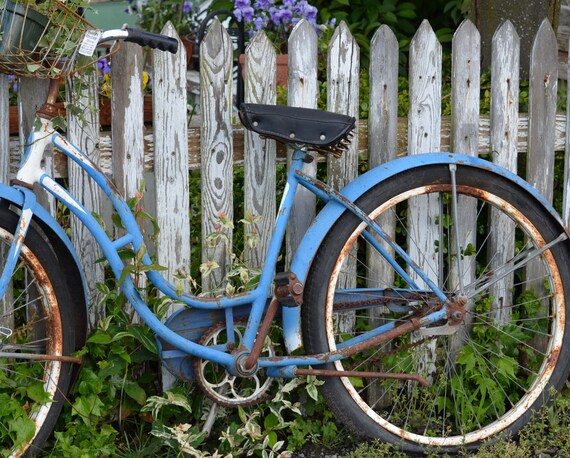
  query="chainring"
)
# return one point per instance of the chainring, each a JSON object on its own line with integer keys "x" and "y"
{"x": 218, "y": 384}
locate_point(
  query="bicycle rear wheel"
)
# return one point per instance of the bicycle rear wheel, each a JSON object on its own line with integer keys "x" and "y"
{"x": 36, "y": 318}
{"x": 492, "y": 244}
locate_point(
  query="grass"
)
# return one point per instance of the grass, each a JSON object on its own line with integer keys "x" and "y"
{"x": 547, "y": 435}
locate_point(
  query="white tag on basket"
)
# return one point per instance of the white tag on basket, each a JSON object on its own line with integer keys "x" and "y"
{"x": 89, "y": 42}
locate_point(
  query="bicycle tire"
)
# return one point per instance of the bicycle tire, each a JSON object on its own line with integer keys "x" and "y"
{"x": 490, "y": 375}
{"x": 40, "y": 315}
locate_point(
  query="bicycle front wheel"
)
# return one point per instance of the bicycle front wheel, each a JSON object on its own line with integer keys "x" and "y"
{"x": 36, "y": 328}
{"x": 481, "y": 239}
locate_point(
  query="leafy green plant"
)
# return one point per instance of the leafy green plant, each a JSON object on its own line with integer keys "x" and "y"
{"x": 239, "y": 277}
{"x": 268, "y": 429}
{"x": 365, "y": 16}
{"x": 119, "y": 373}
{"x": 57, "y": 30}
{"x": 154, "y": 15}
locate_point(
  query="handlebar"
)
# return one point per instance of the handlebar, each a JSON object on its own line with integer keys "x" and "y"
{"x": 93, "y": 39}
{"x": 142, "y": 38}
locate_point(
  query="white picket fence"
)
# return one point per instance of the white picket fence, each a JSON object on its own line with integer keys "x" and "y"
{"x": 162, "y": 157}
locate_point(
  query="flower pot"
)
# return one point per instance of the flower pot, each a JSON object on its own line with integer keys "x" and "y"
{"x": 282, "y": 73}
{"x": 21, "y": 28}
{"x": 188, "y": 41}
{"x": 105, "y": 117}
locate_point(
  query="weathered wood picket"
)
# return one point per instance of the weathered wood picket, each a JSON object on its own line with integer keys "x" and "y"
{"x": 163, "y": 157}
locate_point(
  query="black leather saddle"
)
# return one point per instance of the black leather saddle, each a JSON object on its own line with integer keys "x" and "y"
{"x": 321, "y": 131}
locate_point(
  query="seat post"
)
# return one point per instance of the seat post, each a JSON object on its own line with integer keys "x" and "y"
{"x": 48, "y": 110}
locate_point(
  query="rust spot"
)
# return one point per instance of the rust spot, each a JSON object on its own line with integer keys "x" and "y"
{"x": 252, "y": 358}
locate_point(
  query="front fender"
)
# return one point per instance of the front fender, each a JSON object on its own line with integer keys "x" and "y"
{"x": 63, "y": 249}
{"x": 314, "y": 236}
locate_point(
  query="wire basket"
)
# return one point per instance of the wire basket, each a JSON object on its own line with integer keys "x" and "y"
{"x": 40, "y": 42}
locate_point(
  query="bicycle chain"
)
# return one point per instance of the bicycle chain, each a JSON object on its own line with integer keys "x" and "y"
{"x": 385, "y": 354}
{"x": 204, "y": 388}
{"x": 380, "y": 300}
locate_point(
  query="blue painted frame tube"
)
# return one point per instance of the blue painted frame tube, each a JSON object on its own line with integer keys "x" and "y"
{"x": 131, "y": 226}
{"x": 283, "y": 214}
{"x": 257, "y": 297}
{"x": 26, "y": 215}
{"x": 127, "y": 287}
{"x": 334, "y": 195}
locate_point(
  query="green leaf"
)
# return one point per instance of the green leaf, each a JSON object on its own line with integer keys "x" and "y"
{"x": 135, "y": 391}
{"x": 24, "y": 428}
{"x": 270, "y": 421}
{"x": 408, "y": 14}
{"x": 100, "y": 338}
{"x": 467, "y": 358}
{"x": 313, "y": 392}
{"x": 85, "y": 406}
{"x": 37, "y": 392}
{"x": 390, "y": 18}
{"x": 140, "y": 254}
{"x": 507, "y": 366}
{"x": 117, "y": 221}
{"x": 32, "y": 68}
{"x": 125, "y": 273}
{"x": 356, "y": 382}
{"x": 141, "y": 334}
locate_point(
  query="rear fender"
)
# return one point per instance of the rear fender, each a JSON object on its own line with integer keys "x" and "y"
{"x": 332, "y": 211}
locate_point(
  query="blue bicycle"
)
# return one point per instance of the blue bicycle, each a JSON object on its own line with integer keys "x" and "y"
{"x": 429, "y": 293}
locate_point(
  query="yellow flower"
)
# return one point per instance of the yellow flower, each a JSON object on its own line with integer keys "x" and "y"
{"x": 106, "y": 86}
{"x": 144, "y": 80}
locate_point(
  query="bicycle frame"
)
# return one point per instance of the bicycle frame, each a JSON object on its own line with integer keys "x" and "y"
{"x": 337, "y": 202}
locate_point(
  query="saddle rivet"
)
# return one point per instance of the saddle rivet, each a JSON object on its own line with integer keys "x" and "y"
{"x": 323, "y": 136}
{"x": 292, "y": 135}
{"x": 255, "y": 124}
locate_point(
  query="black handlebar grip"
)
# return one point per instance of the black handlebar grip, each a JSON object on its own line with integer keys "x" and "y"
{"x": 152, "y": 40}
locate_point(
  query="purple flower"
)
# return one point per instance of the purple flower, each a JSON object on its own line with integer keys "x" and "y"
{"x": 104, "y": 66}
{"x": 243, "y": 11}
{"x": 286, "y": 16}
{"x": 187, "y": 7}
{"x": 258, "y": 22}
{"x": 247, "y": 13}
{"x": 311, "y": 14}
{"x": 263, "y": 4}
{"x": 13, "y": 83}
{"x": 280, "y": 16}
{"x": 276, "y": 17}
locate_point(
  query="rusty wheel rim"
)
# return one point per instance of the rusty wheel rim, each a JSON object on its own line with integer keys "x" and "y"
{"x": 550, "y": 357}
